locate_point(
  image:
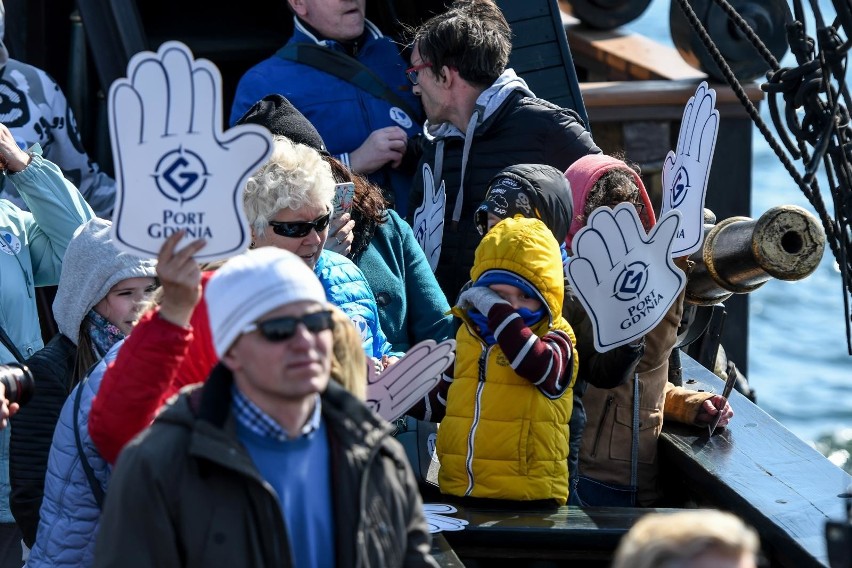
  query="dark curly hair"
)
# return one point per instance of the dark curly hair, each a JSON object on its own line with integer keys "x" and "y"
{"x": 369, "y": 207}
{"x": 471, "y": 36}
{"x": 614, "y": 187}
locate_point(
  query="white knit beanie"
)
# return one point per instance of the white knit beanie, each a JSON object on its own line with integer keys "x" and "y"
{"x": 253, "y": 284}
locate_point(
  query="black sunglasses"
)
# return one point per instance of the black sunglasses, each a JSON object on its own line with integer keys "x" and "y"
{"x": 299, "y": 229}
{"x": 283, "y": 328}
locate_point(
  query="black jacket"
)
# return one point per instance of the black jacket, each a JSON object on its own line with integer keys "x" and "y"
{"x": 522, "y": 130}
{"x": 32, "y": 430}
{"x": 186, "y": 493}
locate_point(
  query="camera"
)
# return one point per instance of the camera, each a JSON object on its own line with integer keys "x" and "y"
{"x": 19, "y": 382}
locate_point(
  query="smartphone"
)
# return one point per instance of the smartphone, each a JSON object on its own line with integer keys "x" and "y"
{"x": 344, "y": 195}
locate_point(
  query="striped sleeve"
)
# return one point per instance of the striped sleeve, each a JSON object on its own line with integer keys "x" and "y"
{"x": 545, "y": 361}
{"x": 433, "y": 406}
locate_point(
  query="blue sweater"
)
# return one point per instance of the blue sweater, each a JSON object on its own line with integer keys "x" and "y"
{"x": 411, "y": 305}
{"x": 300, "y": 473}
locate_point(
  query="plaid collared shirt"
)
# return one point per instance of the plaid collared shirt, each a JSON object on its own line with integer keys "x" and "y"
{"x": 249, "y": 415}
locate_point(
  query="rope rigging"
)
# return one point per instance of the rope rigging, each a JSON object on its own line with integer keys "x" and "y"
{"x": 810, "y": 103}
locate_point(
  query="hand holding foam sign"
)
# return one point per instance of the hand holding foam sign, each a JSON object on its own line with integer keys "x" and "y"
{"x": 395, "y": 390}
{"x": 625, "y": 279}
{"x": 175, "y": 168}
{"x": 686, "y": 170}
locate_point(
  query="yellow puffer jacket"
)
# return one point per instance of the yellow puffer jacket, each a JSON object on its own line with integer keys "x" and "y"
{"x": 501, "y": 437}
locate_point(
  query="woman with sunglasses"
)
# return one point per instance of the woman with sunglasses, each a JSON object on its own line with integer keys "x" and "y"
{"x": 288, "y": 205}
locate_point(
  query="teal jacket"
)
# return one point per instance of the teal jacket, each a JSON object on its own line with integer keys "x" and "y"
{"x": 412, "y": 306}
{"x": 32, "y": 245}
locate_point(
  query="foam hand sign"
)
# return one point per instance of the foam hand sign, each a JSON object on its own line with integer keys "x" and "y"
{"x": 175, "y": 167}
{"x": 625, "y": 279}
{"x": 428, "y": 219}
{"x": 437, "y": 519}
{"x": 399, "y": 387}
{"x": 686, "y": 170}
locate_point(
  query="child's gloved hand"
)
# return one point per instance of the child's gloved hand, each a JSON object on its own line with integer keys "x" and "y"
{"x": 480, "y": 297}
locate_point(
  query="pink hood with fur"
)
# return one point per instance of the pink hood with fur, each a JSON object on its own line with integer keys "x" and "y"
{"x": 582, "y": 176}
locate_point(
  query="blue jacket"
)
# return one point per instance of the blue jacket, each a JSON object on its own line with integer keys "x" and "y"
{"x": 344, "y": 114}
{"x": 32, "y": 245}
{"x": 69, "y": 512}
{"x": 346, "y": 287}
{"x": 412, "y": 306}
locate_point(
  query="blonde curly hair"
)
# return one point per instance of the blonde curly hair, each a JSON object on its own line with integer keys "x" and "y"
{"x": 295, "y": 176}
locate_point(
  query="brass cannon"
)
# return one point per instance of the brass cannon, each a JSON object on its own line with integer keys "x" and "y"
{"x": 740, "y": 254}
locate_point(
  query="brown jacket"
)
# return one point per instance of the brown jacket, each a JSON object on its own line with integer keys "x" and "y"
{"x": 607, "y": 439}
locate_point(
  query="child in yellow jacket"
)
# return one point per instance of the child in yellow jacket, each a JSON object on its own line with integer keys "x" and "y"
{"x": 505, "y": 430}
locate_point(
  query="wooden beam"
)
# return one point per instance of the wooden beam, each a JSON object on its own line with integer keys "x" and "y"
{"x": 616, "y": 55}
{"x": 761, "y": 471}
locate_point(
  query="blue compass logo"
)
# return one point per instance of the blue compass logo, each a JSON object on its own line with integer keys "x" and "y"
{"x": 631, "y": 282}
{"x": 181, "y": 175}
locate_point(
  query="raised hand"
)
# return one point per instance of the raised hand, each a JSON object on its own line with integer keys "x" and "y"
{"x": 180, "y": 278}
{"x": 625, "y": 279}
{"x": 403, "y": 384}
{"x": 686, "y": 170}
{"x": 428, "y": 222}
{"x": 12, "y": 158}
{"x": 175, "y": 168}
{"x": 437, "y": 519}
{"x": 341, "y": 234}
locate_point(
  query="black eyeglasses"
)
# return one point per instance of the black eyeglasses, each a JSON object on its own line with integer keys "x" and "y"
{"x": 412, "y": 72}
{"x": 283, "y": 328}
{"x": 299, "y": 229}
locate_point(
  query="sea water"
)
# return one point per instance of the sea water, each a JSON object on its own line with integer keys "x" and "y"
{"x": 798, "y": 359}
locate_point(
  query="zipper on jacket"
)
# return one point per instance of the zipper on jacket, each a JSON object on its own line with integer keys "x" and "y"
{"x": 609, "y": 400}
{"x": 477, "y": 407}
{"x": 360, "y": 531}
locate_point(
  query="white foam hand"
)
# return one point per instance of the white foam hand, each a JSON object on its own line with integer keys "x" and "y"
{"x": 399, "y": 387}
{"x": 625, "y": 279}
{"x": 687, "y": 169}
{"x": 428, "y": 219}
{"x": 437, "y": 519}
{"x": 175, "y": 167}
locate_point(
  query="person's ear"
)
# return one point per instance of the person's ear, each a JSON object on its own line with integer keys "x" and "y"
{"x": 231, "y": 361}
{"x": 298, "y": 6}
{"x": 447, "y": 76}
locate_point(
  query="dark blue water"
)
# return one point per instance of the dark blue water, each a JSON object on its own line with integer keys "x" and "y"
{"x": 798, "y": 360}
